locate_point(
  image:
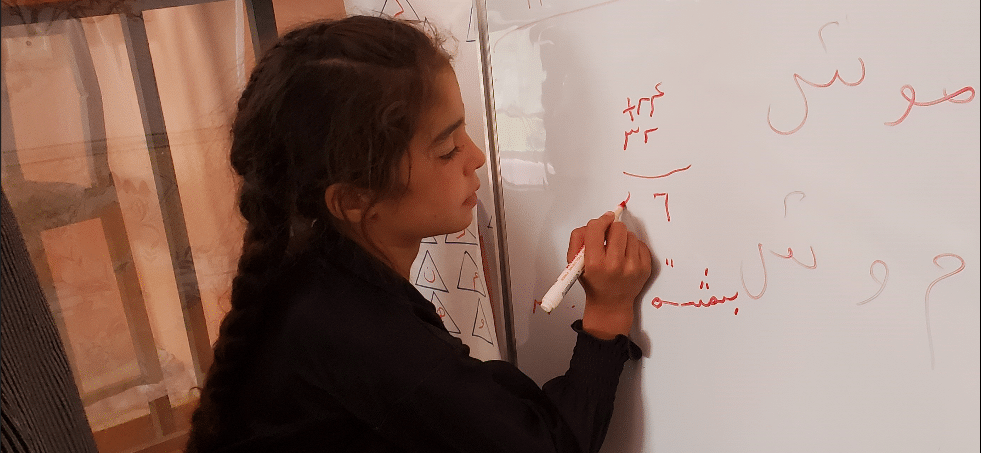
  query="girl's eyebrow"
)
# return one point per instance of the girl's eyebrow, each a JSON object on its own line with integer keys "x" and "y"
{"x": 449, "y": 130}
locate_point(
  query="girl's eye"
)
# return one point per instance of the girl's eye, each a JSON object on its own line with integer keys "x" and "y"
{"x": 451, "y": 154}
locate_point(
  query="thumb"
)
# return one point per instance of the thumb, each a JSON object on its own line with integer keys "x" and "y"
{"x": 576, "y": 241}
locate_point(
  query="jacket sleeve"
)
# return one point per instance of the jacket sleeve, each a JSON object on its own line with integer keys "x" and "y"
{"x": 585, "y": 393}
{"x": 389, "y": 362}
{"x": 463, "y": 404}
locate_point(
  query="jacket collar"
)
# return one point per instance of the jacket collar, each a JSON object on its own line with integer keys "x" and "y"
{"x": 343, "y": 253}
{"x": 349, "y": 255}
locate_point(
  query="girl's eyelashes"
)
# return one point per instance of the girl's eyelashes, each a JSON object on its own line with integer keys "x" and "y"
{"x": 451, "y": 154}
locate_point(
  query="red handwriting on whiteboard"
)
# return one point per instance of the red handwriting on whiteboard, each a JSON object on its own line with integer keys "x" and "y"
{"x": 640, "y": 103}
{"x": 821, "y": 36}
{"x": 743, "y": 279}
{"x": 796, "y": 192}
{"x": 926, "y": 297}
{"x": 636, "y": 108}
{"x": 658, "y": 302}
{"x": 627, "y": 134}
{"x": 882, "y": 283}
{"x": 658, "y": 176}
{"x": 630, "y": 109}
{"x": 910, "y": 97}
{"x": 667, "y": 210}
{"x": 789, "y": 255}
{"x": 647, "y": 131}
{"x": 797, "y": 80}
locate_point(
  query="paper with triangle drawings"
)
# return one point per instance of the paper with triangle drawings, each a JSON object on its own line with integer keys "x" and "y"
{"x": 451, "y": 276}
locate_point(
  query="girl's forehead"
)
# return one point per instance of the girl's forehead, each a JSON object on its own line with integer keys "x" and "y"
{"x": 444, "y": 114}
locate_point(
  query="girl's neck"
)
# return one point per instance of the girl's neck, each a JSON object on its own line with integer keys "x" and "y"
{"x": 398, "y": 255}
{"x": 401, "y": 257}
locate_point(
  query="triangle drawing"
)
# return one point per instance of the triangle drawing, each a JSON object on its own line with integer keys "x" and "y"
{"x": 470, "y": 279}
{"x": 463, "y": 237}
{"x": 401, "y": 9}
{"x": 444, "y": 315}
{"x": 428, "y": 276}
{"x": 471, "y": 32}
{"x": 429, "y": 240}
{"x": 482, "y": 328}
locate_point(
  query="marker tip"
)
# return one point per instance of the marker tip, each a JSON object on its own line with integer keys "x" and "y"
{"x": 623, "y": 204}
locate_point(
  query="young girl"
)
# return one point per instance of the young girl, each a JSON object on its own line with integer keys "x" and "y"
{"x": 351, "y": 146}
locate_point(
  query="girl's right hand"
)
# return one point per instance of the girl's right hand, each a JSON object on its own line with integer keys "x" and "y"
{"x": 617, "y": 266}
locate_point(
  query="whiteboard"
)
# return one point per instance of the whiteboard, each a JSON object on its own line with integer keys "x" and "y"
{"x": 806, "y": 173}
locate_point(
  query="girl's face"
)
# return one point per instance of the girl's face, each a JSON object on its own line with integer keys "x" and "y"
{"x": 439, "y": 173}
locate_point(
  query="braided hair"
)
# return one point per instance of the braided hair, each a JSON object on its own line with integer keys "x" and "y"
{"x": 331, "y": 102}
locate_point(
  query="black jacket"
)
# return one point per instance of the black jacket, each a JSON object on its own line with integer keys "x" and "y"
{"x": 358, "y": 360}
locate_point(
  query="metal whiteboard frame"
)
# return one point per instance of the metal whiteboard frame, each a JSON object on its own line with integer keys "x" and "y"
{"x": 504, "y": 275}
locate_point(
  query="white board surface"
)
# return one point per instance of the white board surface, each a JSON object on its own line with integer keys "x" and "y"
{"x": 843, "y": 133}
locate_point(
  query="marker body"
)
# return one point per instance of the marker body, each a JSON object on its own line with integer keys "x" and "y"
{"x": 571, "y": 273}
{"x": 562, "y": 285}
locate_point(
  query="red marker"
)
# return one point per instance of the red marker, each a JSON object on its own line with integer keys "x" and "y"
{"x": 573, "y": 270}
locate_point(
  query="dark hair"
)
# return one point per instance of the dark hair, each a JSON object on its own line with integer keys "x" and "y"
{"x": 331, "y": 102}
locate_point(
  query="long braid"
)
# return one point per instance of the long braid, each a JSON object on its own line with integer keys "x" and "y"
{"x": 264, "y": 246}
{"x": 305, "y": 121}
{"x": 262, "y": 251}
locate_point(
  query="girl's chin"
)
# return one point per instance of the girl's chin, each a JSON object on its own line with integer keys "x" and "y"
{"x": 464, "y": 223}
{"x": 471, "y": 201}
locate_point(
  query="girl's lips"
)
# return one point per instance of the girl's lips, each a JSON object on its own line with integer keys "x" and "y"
{"x": 471, "y": 200}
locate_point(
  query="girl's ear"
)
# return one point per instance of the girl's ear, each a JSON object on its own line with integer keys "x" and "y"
{"x": 346, "y": 203}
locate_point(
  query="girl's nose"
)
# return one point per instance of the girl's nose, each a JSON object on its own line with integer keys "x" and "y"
{"x": 478, "y": 156}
